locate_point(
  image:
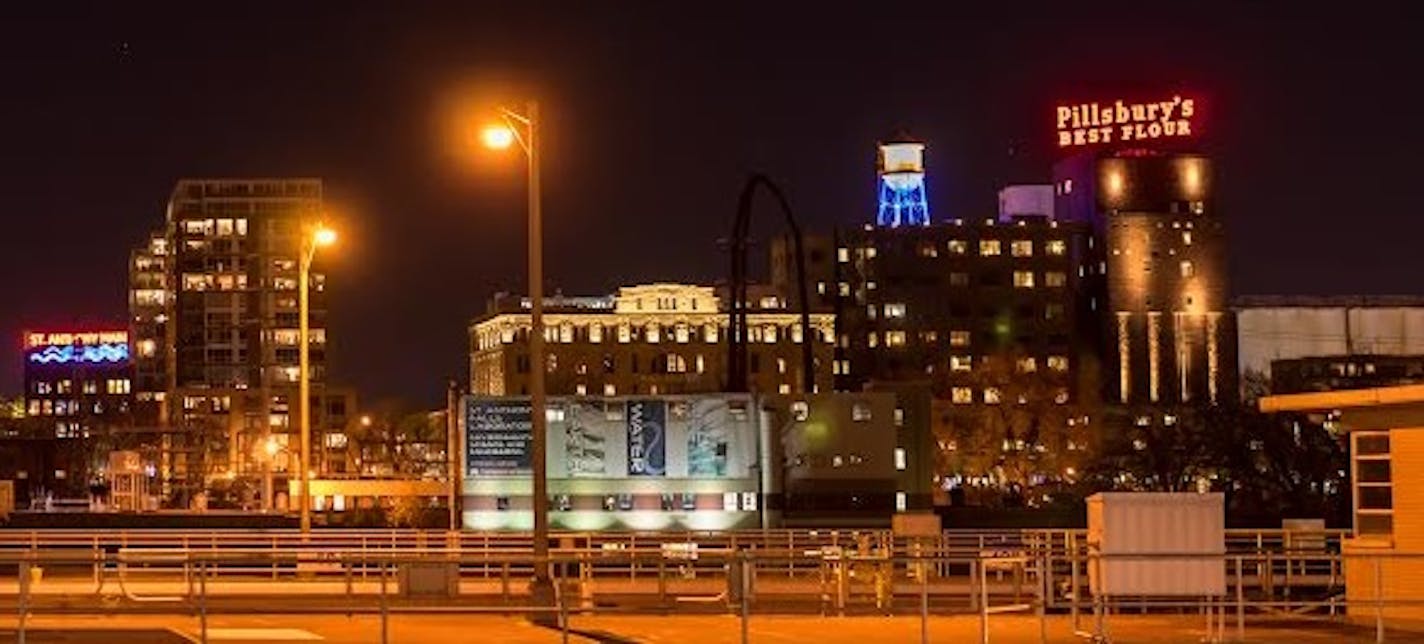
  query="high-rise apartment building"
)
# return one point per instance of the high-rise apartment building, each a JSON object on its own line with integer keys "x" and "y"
{"x": 215, "y": 323}
{"x": 1169, "y": 331}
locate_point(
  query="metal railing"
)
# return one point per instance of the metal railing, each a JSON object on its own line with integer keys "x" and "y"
{"x": 744, "y": 581}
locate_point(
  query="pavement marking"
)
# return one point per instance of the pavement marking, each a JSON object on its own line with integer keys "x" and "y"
{"x": 264, "y": 634}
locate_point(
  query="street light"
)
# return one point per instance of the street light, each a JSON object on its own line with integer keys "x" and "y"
{"x": 270, "y": 447}
{"x": 313, "y": 237}
{"x": 524, "y": 129}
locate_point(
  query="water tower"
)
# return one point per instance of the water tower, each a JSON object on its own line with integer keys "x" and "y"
{"x": 902, "y": 183}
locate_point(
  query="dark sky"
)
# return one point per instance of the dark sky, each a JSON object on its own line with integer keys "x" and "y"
{"x": 654, "y": 114}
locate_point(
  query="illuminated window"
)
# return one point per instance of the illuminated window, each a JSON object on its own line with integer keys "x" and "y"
{"x": 1058, "y": 363}
{"x": 989, "y": 247}
{"x": 894, "y": 310}
{"x": 860, "y": 411}
{"x": 675, "y": 363}
{"x": 959, "y": 338}
{"x": 118, "y": 386}
{"x": 844, "y": 289}
{"x": 610, "y": 390}
{"x": 899, "y": 416}
{"x": 991, "y": 395}
{"x": 749, "y": 501}
{"x": 1061, "y": 397}
{"x": 928, "y": 250}
{"x": 1187, "y": 269}
{"x": 625, "y": 333}
{"x": 769, "y": 334}
{"x": 1055, "y": 279}
{"x": 961, "y": 363}
{"x": 900, "y": 502}
{"x": 709, "y": 333}
{"x": 64, "y": 387}
{"x": 203, "y": 282}
{"x": 1023, "y": 279}
{"x": 781, "y": 365}
{"x": 680, "y": 333}
{"x": 1027, "y": 365}
{"x": 653, "y": 333}
{"x": 958, "y": 247}
{"x": 1055, "y": 247}
{"x": 1187, "y": 238}
{"x": 929, "y": 337}
{"x": 894, "y": 338}
{"x": 701, "y": 364}
{"x": 800, "y": 411}
{"x": 871, "y": 311}
{"x": 1021, "y": 248}
{"x": 873, "y": 339}
{"x": 961, "y": 395}
{"x": 595, "y": 333}
{"x": 900, "y": 460}
{"x": 91, "y": 387}
{"x": 843, "y": 255}
{"x": 729, "y": 501}
{"x": 783, "y": 389}
{"x": 870, "y": 252}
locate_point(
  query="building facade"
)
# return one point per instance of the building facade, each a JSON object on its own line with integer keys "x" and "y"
{"x": 215, "y": 318}
{"x": 1170, "y": 335}
{"x": 82, "y": 381}
{"x": 650, "y": 339}
{"x": 1301, "y": 333}
{"x": 936, "y": 302}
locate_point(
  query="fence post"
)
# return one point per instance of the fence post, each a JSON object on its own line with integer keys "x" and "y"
{"x": 384, "y": 617}
{"x": 1044, "y": 587}
{"x": 1240, "y": 602}
{"x": 746, "y": 592}
{"x": 983, "y": 601}
{"x": 203, "y": 602}
{"x": 24, "y": 599}
{"x": 1379, "y": 602}
{"x": 924, "y": 600}
{"x": 564, "y": 615}
{"x": 1073, "y": 579}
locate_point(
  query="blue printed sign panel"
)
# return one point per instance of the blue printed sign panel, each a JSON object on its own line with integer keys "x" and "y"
{"x": 647, "y": 437}
{"x": 498, "y": 434}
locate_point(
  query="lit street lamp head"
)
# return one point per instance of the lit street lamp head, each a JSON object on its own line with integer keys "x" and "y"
{"x": 324, "y": 236}
{"x": 497, "y": 137}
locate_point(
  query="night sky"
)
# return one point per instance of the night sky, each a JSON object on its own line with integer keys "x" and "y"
{"x": 654, "y": 113}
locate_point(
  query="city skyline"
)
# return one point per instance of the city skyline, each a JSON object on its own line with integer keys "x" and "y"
{"x": 130, "y": 103}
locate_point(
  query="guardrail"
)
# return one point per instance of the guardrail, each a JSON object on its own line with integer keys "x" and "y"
{"x": 947, "y": 541}
{"x": 743, "y": 582}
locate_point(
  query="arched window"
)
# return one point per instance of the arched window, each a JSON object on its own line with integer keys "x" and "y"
{"x": 675, "y": 363}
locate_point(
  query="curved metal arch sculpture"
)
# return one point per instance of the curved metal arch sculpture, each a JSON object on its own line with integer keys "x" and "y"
{"x": 737, "y": 311}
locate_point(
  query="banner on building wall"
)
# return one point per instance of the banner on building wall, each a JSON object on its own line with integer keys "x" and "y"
{"x": 586, "y": 442}
{"x": 647, "y": 437}
{"x": 497, "y": 437}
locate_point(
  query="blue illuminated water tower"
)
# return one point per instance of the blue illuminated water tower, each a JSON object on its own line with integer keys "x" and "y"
{"x": 902, "y": 183}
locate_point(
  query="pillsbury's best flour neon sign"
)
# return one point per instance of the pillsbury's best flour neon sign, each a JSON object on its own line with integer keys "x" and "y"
{"x": 1123, "y": 122}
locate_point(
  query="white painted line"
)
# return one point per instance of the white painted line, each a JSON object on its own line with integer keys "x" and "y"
{"x": 264, "y": 634}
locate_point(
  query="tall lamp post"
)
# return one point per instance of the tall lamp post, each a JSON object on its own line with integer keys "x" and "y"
{"x": 313, "y": 237}
{"x": 523, "y": 129}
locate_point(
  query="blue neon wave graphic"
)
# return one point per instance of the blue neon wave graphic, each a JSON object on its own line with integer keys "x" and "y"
{"x": 96, "y": 354}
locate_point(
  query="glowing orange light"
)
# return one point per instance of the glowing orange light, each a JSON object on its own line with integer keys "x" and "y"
{"x": 497, "y": 137}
